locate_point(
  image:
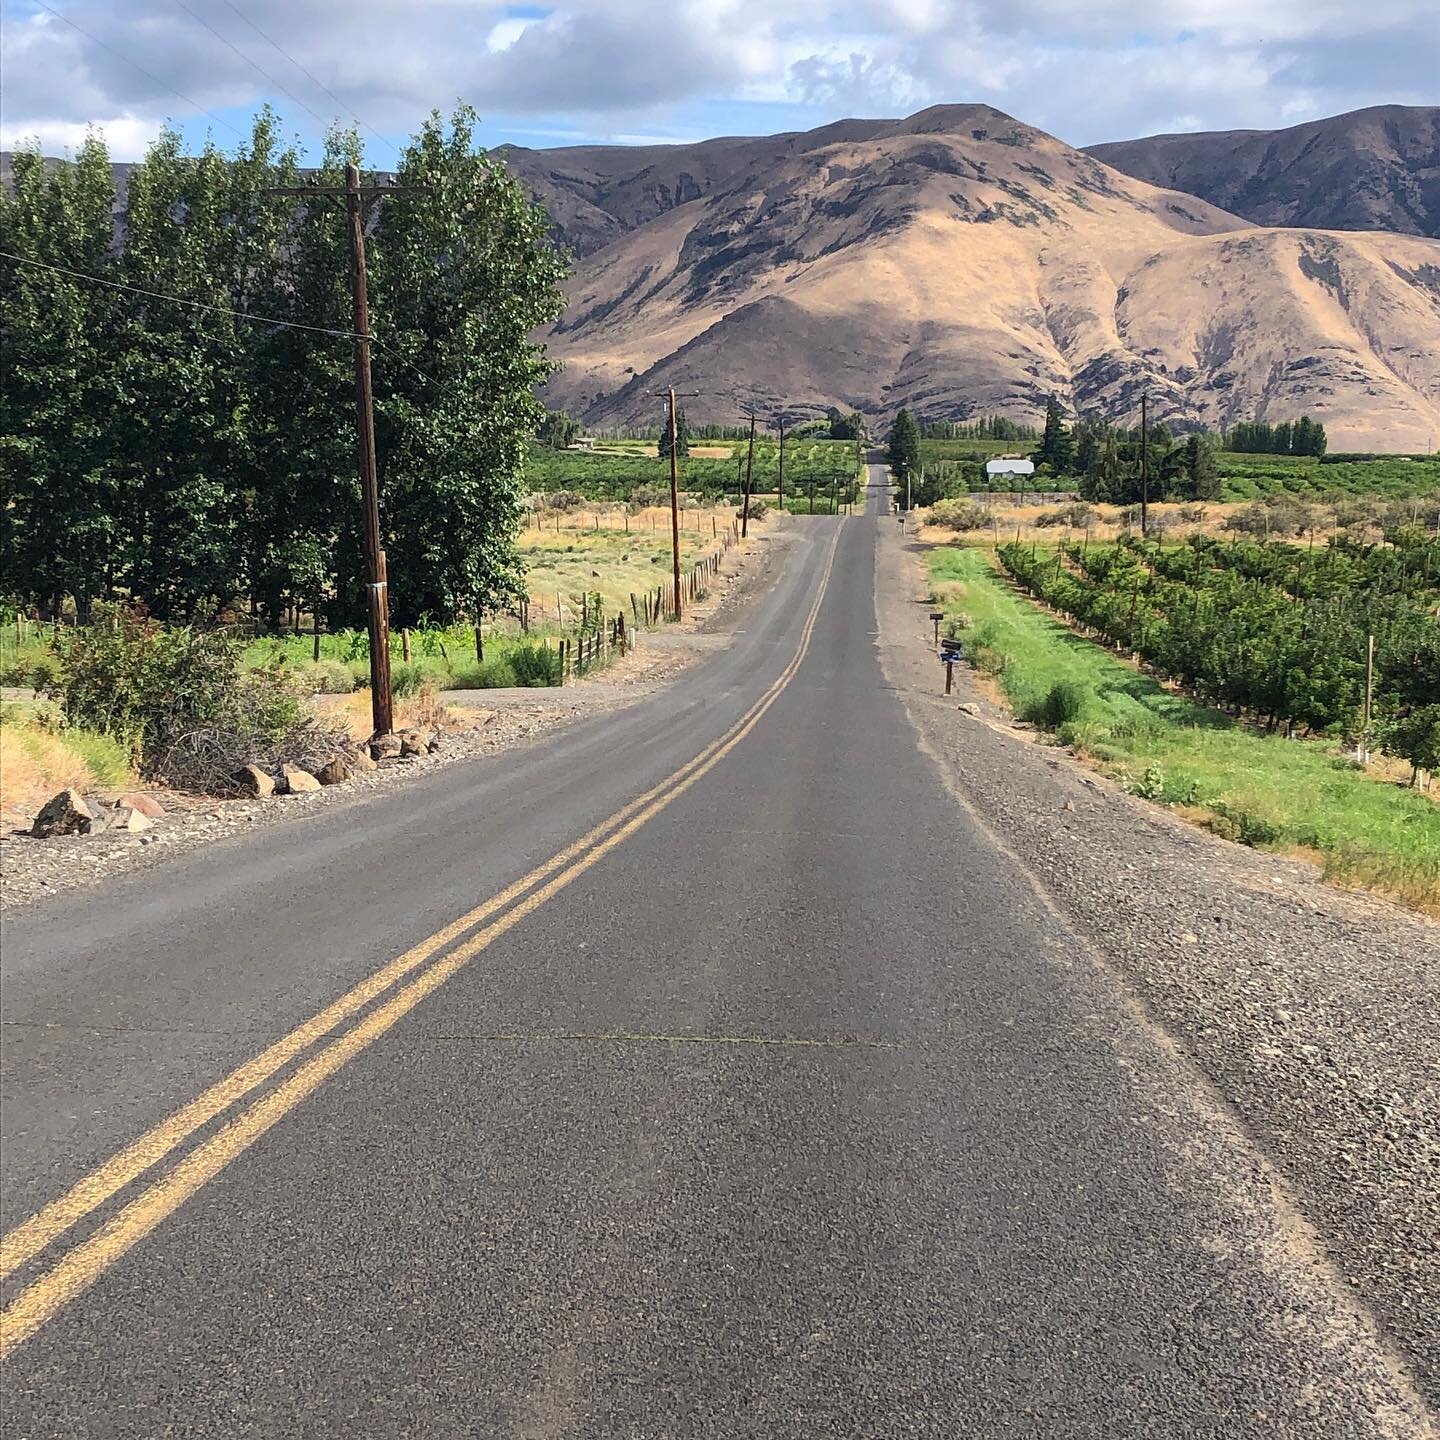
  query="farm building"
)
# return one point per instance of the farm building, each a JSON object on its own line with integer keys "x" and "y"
{"x": 1009, "y": 465}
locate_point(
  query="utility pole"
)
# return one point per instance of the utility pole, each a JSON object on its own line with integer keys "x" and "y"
{"x": 377, "y": 585}
{"x": 377, "y": 579}
{"x": 1144, "y": 464}
{"x": 669, "y": 396}
{"x": 780, "y": 473}
{"x": 749, "y": 471}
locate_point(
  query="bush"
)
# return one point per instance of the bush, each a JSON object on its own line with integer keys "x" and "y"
{"x": 325, "y": 677}
{"x": 181, "y": 702}
{"x": 758, "y": 509}
{"x": 1079, "y": 516}
{"x": 1064, "y": 702}
{"x": 485, "y": 675}
{"x": 406, "y": 680}
{"x": 535, "y": 665}
{"x": 960, "y": 515}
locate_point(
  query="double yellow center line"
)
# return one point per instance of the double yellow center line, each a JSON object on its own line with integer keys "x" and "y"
{"x": 79, "y": 1267}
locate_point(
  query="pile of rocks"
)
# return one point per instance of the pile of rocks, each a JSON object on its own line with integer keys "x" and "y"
{"x": 73, "y": 813}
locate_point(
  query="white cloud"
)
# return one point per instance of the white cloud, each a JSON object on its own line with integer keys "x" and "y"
{"x": 1102, "y": 70}
{"x": 505, "y": 34}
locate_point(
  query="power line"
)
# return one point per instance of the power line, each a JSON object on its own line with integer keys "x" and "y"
{"x": 235, "y": 49}
{"x": 217, "y": 309}
{"x": 319, "y": 85}
{"x": 193, "y": 304}
{"x": 164, "y": 85}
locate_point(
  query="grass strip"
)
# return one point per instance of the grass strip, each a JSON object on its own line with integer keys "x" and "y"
{"x": 1262, "y": 790}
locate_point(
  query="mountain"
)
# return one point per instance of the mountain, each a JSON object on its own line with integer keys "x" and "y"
{"x": 962, "y": 262}
{"x": 1376, "y": 169}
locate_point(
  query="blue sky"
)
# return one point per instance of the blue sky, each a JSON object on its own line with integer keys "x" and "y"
{"x": 629, "y": 71}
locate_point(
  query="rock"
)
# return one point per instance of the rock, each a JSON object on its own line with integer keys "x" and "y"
{"x": 147, "y": 805}
{"x": 297, "y": 781}
{"x": 252, "y": 780}
{"x": 1068, "y": 806}
{"x": 967, "y": 708}
{"x": 416, "y": 742}
{"x": 383, "y": 747}
{"x": 335, "y": 771}
{"x": 68, "y": 813}
{"x": 434, "y": 744}
{"x": 359, "y": 759}
{"x": 1189, "y": 937}
{"x": 128, "y": 818}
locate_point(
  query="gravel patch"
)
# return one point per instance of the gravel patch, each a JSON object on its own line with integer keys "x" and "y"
{"x": 1311, "y": 1011}
{"x": 503, "y": 720}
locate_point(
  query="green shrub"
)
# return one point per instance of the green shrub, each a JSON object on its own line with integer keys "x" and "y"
{"x": 406, "y": 680}
{"x": 961, "y": 515}
{"x": 180, "y": 700}
{"x": 535, "y": 665}
{"x": 1064, "y": 702}
{"x": 485, "y": 675}
{"x": 325, "y": 677}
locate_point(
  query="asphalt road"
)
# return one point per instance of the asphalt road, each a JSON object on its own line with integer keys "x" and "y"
{"x": 783, "y": 1106}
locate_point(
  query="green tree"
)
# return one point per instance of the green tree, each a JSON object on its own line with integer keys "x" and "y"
{"x": 1057, "y": 445}
{"x": 1201, "y": 470}
{"x": 558, "y": 430}
{"x": 464, "y": 274}
{"x": 682, "y": 434}
{"x": 904, "y": 450}
{"x": 59, "y": 386}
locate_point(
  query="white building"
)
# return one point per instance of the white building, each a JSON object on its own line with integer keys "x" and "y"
{"x": 1009, "y": 465}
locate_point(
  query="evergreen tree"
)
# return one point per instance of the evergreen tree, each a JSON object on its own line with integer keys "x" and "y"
{"x": 904, "y": 450}
{"x": 1057, "y": 446}
{"x": 1202, "y": 473}
{"x": 682, "y": 434}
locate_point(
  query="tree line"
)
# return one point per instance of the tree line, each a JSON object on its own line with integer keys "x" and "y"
{"x": 177, "y": 394}
{"x": 1254, "y": 437}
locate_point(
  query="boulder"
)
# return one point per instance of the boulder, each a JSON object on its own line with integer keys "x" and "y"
{"x": 416, "y": 742}
{"x": 68, "y": 813}
{"x": 296, "y": 781}
{"x": 384, "y": 747}
{"x": 147, "y": 805}
{"x": 128, "y": 818}
{"x": 359, "y": 759}
{"x": 252, "y": 780}
{"x": 335, "y": 771}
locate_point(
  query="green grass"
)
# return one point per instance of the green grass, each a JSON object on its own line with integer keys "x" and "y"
{"x": 1261, "y": 790}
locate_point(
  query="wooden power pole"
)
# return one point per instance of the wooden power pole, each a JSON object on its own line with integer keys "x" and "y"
{"x": 780, "y": 472}
{"x": 377, "y": 581}
{"x": 1144, "y": 463}
{"x": 377, "y": 586}
{"x": 669, "y": 396}
{"x": 749, "y": 471}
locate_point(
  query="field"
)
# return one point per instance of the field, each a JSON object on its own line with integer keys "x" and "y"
{"x": 1295, "y": 795}
{"x": 715, "y": 469}
{"x": 570, "y": 557}
{"x": 1243, "y": 477}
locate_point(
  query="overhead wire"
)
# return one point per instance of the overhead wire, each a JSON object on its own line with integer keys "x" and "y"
{"x": 263, "y": 74}
{"x": 150, "y": 75}
{"x": 214, "y": 309}
{"x": 319, "y": 84}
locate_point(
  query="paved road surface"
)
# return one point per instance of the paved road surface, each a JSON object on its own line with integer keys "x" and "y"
{"x": 781, "y": 1106}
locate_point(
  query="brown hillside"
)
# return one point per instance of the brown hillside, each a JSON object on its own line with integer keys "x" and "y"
{"x": 1376, "y": 169}
{"x": 961, "y": 262}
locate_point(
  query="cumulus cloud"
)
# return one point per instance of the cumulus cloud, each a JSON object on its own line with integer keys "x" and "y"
{"x": 606, "y": 68}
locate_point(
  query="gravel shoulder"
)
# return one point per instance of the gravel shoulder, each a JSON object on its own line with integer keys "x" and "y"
{"x": 1311, "y": 1011}
{"x": 489, "y": 722}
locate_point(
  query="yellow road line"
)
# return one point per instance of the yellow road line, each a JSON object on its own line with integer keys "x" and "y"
{"x": 80, "y": 1267}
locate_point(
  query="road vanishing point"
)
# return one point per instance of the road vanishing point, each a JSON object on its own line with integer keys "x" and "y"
{"x": 705, "y": 1069}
